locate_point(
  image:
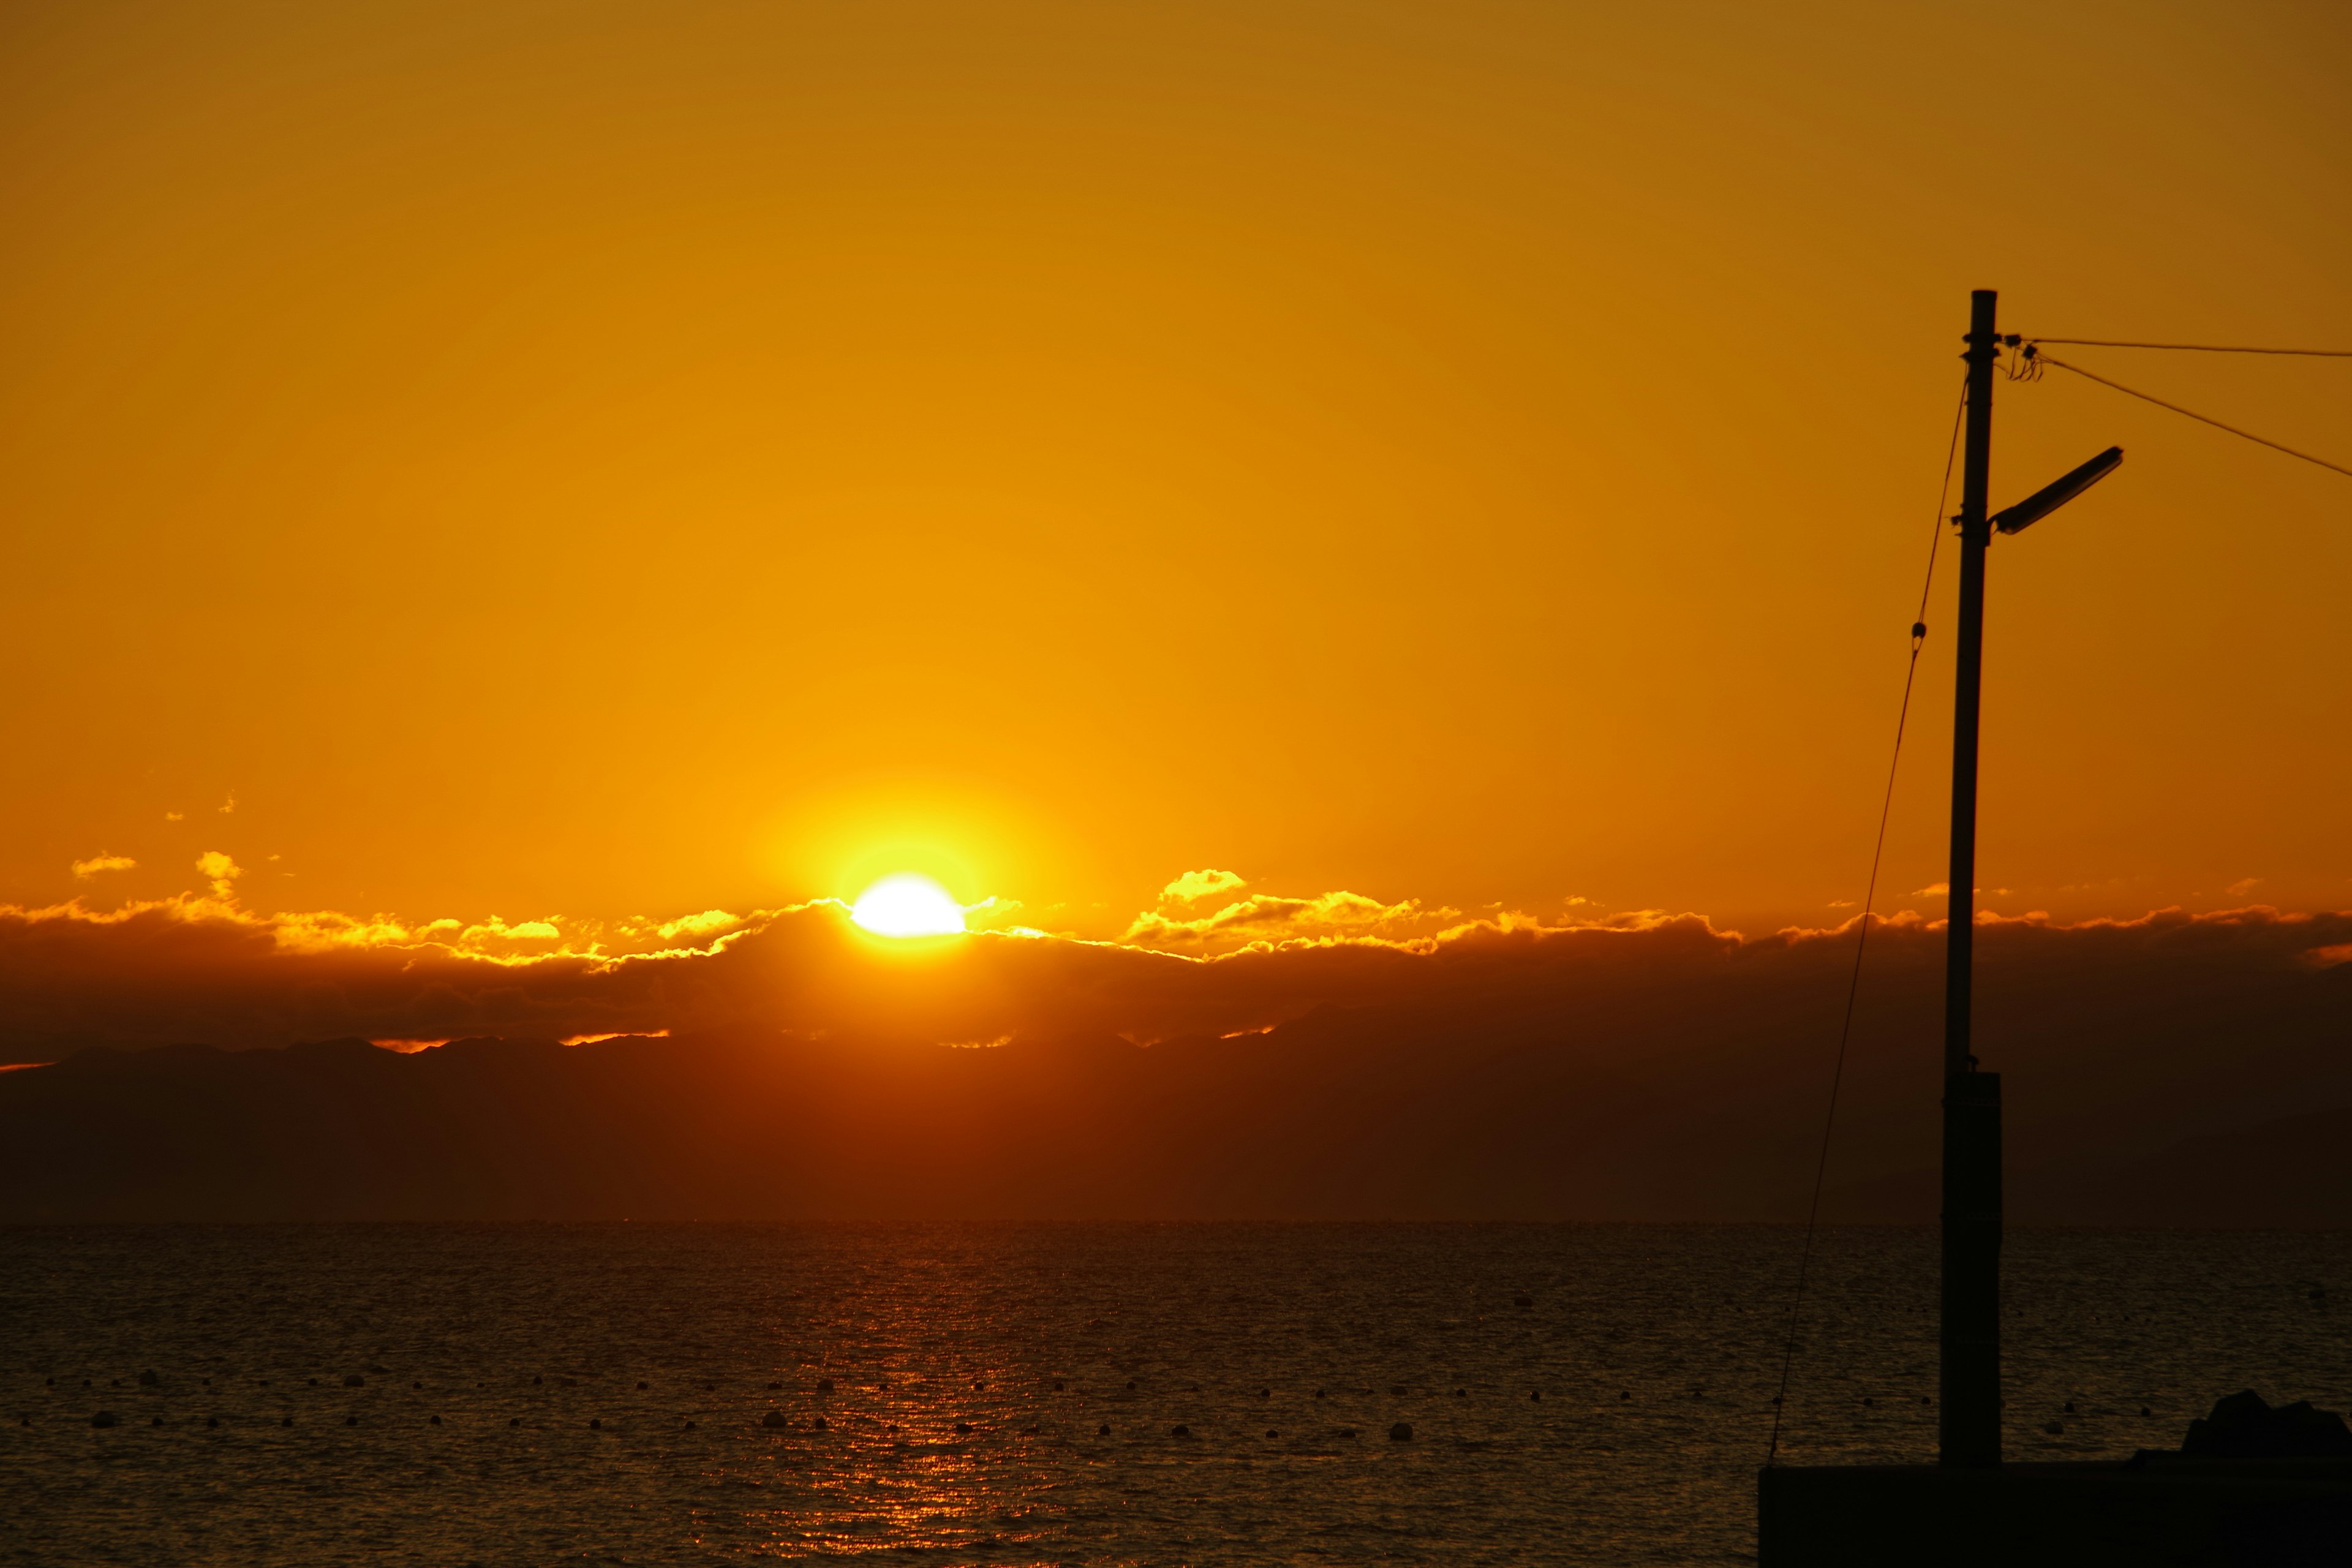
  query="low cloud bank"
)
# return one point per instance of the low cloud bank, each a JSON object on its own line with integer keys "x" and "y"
{"x": 1647, "y": 1068}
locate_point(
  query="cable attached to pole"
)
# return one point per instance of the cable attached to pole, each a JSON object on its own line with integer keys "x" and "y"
{"x": 1861, "y": 940}
{"x": 2190, "y": 412}
{"x": 2015, "y": 338}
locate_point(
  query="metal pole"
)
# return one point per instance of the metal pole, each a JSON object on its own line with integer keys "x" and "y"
{"x": 1970, "y": 1425}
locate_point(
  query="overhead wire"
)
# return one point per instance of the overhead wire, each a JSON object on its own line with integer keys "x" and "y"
{"x": 2189, "y": 348}
{"x": 2190, "y": 412}
{"x": 1861, "y": 940}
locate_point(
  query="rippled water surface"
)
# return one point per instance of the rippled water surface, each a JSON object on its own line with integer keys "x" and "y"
{"x": 602, "y": 1391}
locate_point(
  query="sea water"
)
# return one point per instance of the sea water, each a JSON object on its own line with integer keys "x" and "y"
{"x": 606, "y": 1393}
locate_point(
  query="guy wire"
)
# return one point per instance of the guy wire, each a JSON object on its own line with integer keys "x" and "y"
{"x": 1861, "y": 940}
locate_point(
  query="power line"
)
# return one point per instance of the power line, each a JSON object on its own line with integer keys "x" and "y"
{"x": 2183, "y": 348}
{"x": 2200, "y": 418}
{"x": 1862, "y": 941}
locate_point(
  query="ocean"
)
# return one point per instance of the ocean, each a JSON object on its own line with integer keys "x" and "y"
{"x": 1091, "y": 1394}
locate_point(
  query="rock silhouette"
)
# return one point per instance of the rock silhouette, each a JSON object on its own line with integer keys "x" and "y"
{"x": 2246, "y": 1426}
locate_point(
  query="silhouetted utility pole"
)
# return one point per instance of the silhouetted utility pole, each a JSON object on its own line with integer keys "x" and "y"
{"x": 1970, "y": 1428}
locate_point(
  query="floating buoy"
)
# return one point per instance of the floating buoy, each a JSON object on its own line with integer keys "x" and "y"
{"x": 536, "y": 1380}
{"x": 2070, "y": 1407}
{"x": 772, "y": 1420}
{"x": 1103, "y": 1430}
{"x": 1401, "y": 1432}
{"x": 1131, "y": 1382}
{"x": 2053, "y": 1428}
{"x": 595, "y": 1423}
{"x": 314, "y": 1382}
{"x": 286, "y": 1421}
{"x": 1179, "y": 1430}
{"x": 1319, "y": 1394}
{"x": 437, "y": 1421}
{"x": 1272, "y": 1433}
{"x": 1057, "y": 1385}
{"x": 211, "y": 1422}
{"x": 1396, "y": 1390}
{"x": 416, "y": 1386}
{"x": 775, "y": 1388}
{"x": 824, "y": 1386}
{"x": 641, "y": 1384}
{"x": 514, "y": 1420}
{"x": 963, "y": 1428}
{"x": 689, "y": 1426}
{"x": 1460, "y": 1391}
{"x": 209, "y": 1383}
{"x": 1623, "y": 1394}
{"x": 155, "y": 1421}
{"x": 1867, "y": 1399}
{"x": 819, "y": 1423}
{"x": 1523, "y": 1300}
{"x": 1265, "y": 1394}
{"x": 351, "y": 1420}
{"x": 106, "y": 1418}
{"x": 353, "y": 1380}
{"x": 148, "y": 1378}
{"x": 1347, "y": 1431}
{"x": 1535, "y": 1397}
{"x": 2144, "y": 1410}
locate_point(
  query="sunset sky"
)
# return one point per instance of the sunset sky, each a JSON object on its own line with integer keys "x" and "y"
{"x": 592, "y": 464}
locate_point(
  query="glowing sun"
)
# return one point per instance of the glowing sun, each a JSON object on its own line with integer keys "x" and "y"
{"x": 907, "y": 905}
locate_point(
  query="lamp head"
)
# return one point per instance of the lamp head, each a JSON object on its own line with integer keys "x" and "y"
{"x": 2057, "y": 493}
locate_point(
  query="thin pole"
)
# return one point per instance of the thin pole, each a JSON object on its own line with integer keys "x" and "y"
{"x": 1970, "y": 1419}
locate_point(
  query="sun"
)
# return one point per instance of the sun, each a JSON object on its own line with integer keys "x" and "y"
{"x": 908, "y": 904}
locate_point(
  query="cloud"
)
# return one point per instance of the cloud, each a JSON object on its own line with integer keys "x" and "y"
{"x": 84, "y": 871}
{"x": 1650, "y": 1065}
{"x": 495, "y": 930}
{"x": 175, "y": 817}
{"x": 1932, "y": 891}
{"x": 1262, "y": 918}
{"x": 229, "y": 807}
{"x": 703, "y": 924}
{"x": 1193, "y": 886}
{"x": 222, "y": 871}
{"x": 2243, "y": 885}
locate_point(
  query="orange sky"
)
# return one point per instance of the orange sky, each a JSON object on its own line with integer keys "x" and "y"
{"x": 610, "y": 460}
